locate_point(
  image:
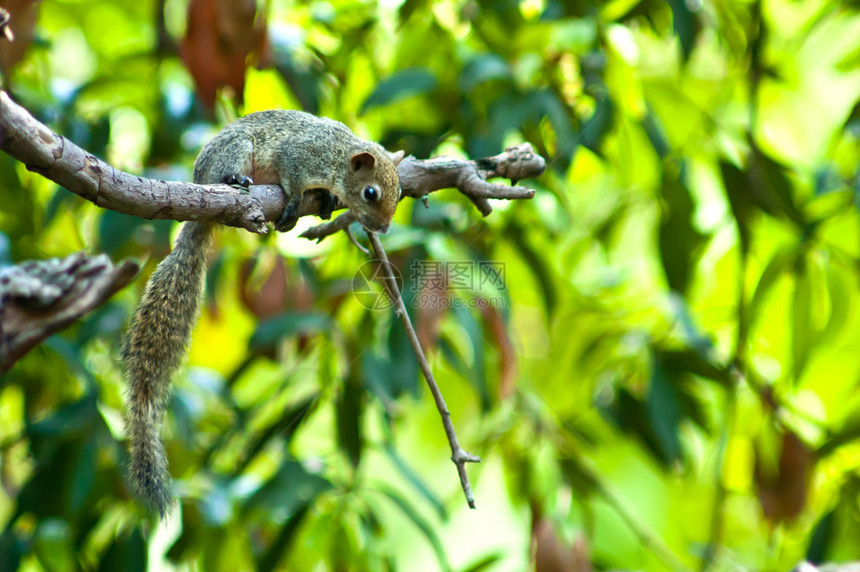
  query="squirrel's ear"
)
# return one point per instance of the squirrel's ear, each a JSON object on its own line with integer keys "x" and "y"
{"x": 363, "y": 159}
{"x": 397, "y": 157}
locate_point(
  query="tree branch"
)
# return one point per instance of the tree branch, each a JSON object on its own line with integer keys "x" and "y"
{"x": 58, "y": 159}
{"x": 458, "y": 455}
{"x": 39, "y": 298}
{"x": 419, "y": 178}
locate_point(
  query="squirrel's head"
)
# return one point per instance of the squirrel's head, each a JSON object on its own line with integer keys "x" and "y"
{"x": 373, "y": 187}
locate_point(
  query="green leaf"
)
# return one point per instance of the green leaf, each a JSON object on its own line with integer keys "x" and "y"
{"x": 779, "y": 263}
{"x": 484, "y": 67}
{"x": 270, "y": 559}
{"x": 52, "y": 545}
{"x": 656, "y": 133}
{"x": 485, "y": 563}
{"x": 802, "y": 336}
{"x": 740, "y": 200}
{"x": 822, "y": 537}
{"x": 691, "y": 361}
{"x": 107, "y": 321}
{"x": 849, "y": 61}
{"x": 451, "y": 354}
{"x": 563, "y": 123}
{"x": 678, "y": 237}
{"x": 415, "y": 480}
{"x": 408, "y": 8}
{"x": 349, "y": 407}
{"x": 11, "y": 549}
{"x": 400, "y": 85}
{"x": 71, "y": 354}
{"x": 115, "y": 230}
{"x": 127, "y": 552}
{"x": 515, "y": 110}
{"x": 686, "y": 25}
{"x": 284, "y": 429}
{"x": 374, "y": 371}
{"x": 477, "y": 372}
{"x": 214, "y": 275}
{"x": 84, "y": 476}
{"x": 692, "y": 334}
{"x": 189, "y": 539}
{"x": 269, "y": 332}
{"x": 75, "y": 418}
{"x": 580, "y": 478}
{"x": 305, "y": 79}
{"x": 287, "y": 492}
{"x": 827, "y": 180}
{"x": 419, "y": 522}
{"x": 535, "y": 262}
{"x": 401, "y": 370}
{"x": 764, "y": 184}
{"x": 512, "y": 111}
{"x": 60, "y": 200}
{"x": 19, "y": 204}
{"x": 771, "y": 177}
{"x": 664, "y": 413}
{"x": 692, "y": 407}
{"x": 840, "y": 290}
{"x": 596, "y": 127}
{"x": 216, "y": 506}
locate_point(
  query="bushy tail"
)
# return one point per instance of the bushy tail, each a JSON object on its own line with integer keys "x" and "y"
{"x": 157, "y": 340}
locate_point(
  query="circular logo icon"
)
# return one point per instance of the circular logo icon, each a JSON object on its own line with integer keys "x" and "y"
{"x": 368, "y": 285}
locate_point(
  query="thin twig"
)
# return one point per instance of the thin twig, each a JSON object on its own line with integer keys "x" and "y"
{"x": 458, "y": 455}
{"x": 354, "y": 241}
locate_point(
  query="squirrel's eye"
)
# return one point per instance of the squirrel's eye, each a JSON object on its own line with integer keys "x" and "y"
{"x": 371, "y": 195}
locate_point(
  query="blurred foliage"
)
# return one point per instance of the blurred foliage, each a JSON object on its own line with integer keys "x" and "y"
{"x": 667, "y": 376}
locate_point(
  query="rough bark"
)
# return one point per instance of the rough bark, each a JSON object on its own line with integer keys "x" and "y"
{"x": 58, "y": 159}
{"x": 39, "y": 298}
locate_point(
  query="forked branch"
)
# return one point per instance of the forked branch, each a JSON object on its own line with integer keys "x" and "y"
{"x": 420, "y": 178}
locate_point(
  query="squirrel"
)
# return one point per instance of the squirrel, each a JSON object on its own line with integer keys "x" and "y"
{"x": 302, "y": 153}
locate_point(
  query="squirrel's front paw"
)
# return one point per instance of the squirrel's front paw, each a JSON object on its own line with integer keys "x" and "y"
{"x": 238, "y": 181}
{"x": 328, "y": 202}
{"x": 290, "y": 215}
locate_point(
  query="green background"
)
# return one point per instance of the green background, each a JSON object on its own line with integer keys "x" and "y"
{"x": 668, "y": 377}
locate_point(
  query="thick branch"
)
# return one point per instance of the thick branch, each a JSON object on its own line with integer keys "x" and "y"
{"x": 58, "y": 159}
{"x": 40, "y": 298}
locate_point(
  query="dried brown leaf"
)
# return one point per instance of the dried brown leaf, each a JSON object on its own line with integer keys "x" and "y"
{"x": 222, "y": 38}
{"x": 22, "y": 19}
{"x": 507, "y": 355}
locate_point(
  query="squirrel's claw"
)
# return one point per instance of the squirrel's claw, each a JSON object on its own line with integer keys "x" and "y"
{"x": 328, "y": 202}
{"x": 238, "y": 181}
{"x": 290, "y": 215}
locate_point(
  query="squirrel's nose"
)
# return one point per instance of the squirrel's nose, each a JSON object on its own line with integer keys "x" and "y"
{"x": 383, "y": 228}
